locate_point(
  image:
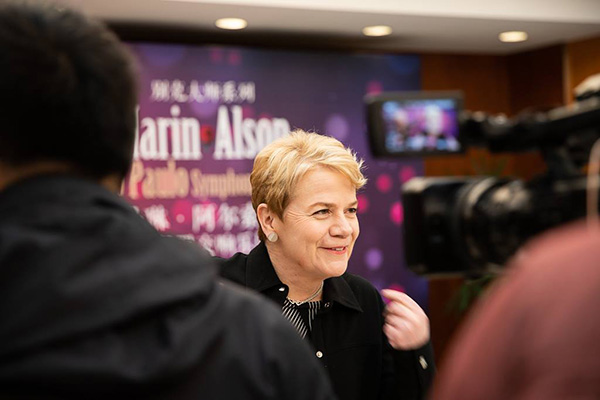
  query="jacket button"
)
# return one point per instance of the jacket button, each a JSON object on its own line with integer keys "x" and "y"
{"x": 327, "y": 305}
{"x": 319, "y": 354}
{"x": 423, "y": 362}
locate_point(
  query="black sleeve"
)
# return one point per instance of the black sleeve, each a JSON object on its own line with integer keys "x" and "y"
{"x": 407, "y": 375}
{"x": 414, "y": 372}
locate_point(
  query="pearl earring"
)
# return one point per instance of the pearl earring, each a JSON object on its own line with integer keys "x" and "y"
{"x": 272, "y": 237}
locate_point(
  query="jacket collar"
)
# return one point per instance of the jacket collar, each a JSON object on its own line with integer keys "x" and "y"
{"x": 261, "y": 276}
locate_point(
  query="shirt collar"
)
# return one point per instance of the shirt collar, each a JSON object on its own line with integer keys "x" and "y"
{"x": 337, "y": 290}
{"x": 260, "y": 276}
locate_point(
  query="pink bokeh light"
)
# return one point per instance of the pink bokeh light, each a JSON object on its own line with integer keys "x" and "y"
{"x": 397, "y": 213}
{"x": 374, "y": 87}
{"x": 384, "y": 183}
{"x": 363, "y": 203}
{"x": 234, "y": 57}
{"x": 407, "y": 173}
{"x": 216, "y": 55}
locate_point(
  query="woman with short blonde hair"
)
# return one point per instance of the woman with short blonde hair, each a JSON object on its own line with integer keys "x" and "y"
{"x": 304, "y": 193}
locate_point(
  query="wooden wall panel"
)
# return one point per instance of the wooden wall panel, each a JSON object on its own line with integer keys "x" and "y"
{"x": 582, "y": 60}
{"x": 484, "y": 82}
{"x": 536, "y": 79}
{"x": 483, "y": 79}
{"x": 494, "y": 84}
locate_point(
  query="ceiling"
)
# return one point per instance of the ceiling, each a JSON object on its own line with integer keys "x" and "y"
{"x": 457, "y": 26}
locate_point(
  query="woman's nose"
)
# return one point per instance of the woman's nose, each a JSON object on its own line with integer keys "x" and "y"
{"x": 341, "y": 227}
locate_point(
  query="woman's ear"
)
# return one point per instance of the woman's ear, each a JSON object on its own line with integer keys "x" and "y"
{"x": 266, "y": 218}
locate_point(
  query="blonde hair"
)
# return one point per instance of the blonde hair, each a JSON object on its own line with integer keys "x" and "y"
{"x": 280, "y": 165}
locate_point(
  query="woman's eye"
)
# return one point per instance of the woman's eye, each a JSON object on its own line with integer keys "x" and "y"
{"x": 353, "y": 210}
{"x": 321, "y": 212}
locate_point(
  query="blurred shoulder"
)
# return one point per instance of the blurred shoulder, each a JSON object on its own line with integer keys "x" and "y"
{"x": 254, "y": 318}
{"x": 232, "y": 268}
{"x": 265, "y": 348}
{"x": 571, "y": 249}
{"x": 240, "y": 300}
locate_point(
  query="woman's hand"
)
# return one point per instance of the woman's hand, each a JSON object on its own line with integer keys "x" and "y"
{"x": 406, "y": 324}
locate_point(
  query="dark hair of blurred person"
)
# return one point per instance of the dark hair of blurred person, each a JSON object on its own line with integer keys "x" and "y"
{"x": 95, "y": 303}
{"x": 67, "y": 92}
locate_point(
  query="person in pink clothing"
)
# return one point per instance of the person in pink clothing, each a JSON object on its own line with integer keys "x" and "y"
{"x": 535, "y": 336}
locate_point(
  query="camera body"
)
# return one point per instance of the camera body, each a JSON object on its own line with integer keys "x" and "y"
{"x": 473, "y": 225}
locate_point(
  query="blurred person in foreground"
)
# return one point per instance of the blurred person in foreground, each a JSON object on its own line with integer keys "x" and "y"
{"x": 535, "y": 335}
{"x": 95, "y": 303}
{"x": 304, "y": 194}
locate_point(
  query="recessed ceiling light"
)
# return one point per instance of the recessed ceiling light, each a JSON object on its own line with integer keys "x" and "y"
{"x": 513, "y": 36}
{"x": 377, "y": 30}
{"x": 231, "y": 23}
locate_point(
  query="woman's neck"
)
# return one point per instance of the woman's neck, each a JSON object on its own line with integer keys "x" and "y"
{"x": 300, "y": 286}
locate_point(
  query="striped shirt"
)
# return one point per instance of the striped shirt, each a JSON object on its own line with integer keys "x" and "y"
{"x": 301, "y": 316}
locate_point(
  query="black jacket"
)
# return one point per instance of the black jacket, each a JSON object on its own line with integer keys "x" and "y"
{"x": 94, "y": 303}
{"x": 347, "y": 333}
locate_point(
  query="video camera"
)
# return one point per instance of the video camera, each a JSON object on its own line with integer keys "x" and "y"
{"x": 473, "y": 225}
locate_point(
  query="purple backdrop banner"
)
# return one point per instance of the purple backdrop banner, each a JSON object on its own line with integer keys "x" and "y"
{"x": 205, "y": 112}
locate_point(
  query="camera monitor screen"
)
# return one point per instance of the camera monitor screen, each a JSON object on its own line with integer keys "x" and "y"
{"x": 409, "y": 124}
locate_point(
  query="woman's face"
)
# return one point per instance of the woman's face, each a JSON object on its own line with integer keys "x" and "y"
{"x": 319, "y": 225}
